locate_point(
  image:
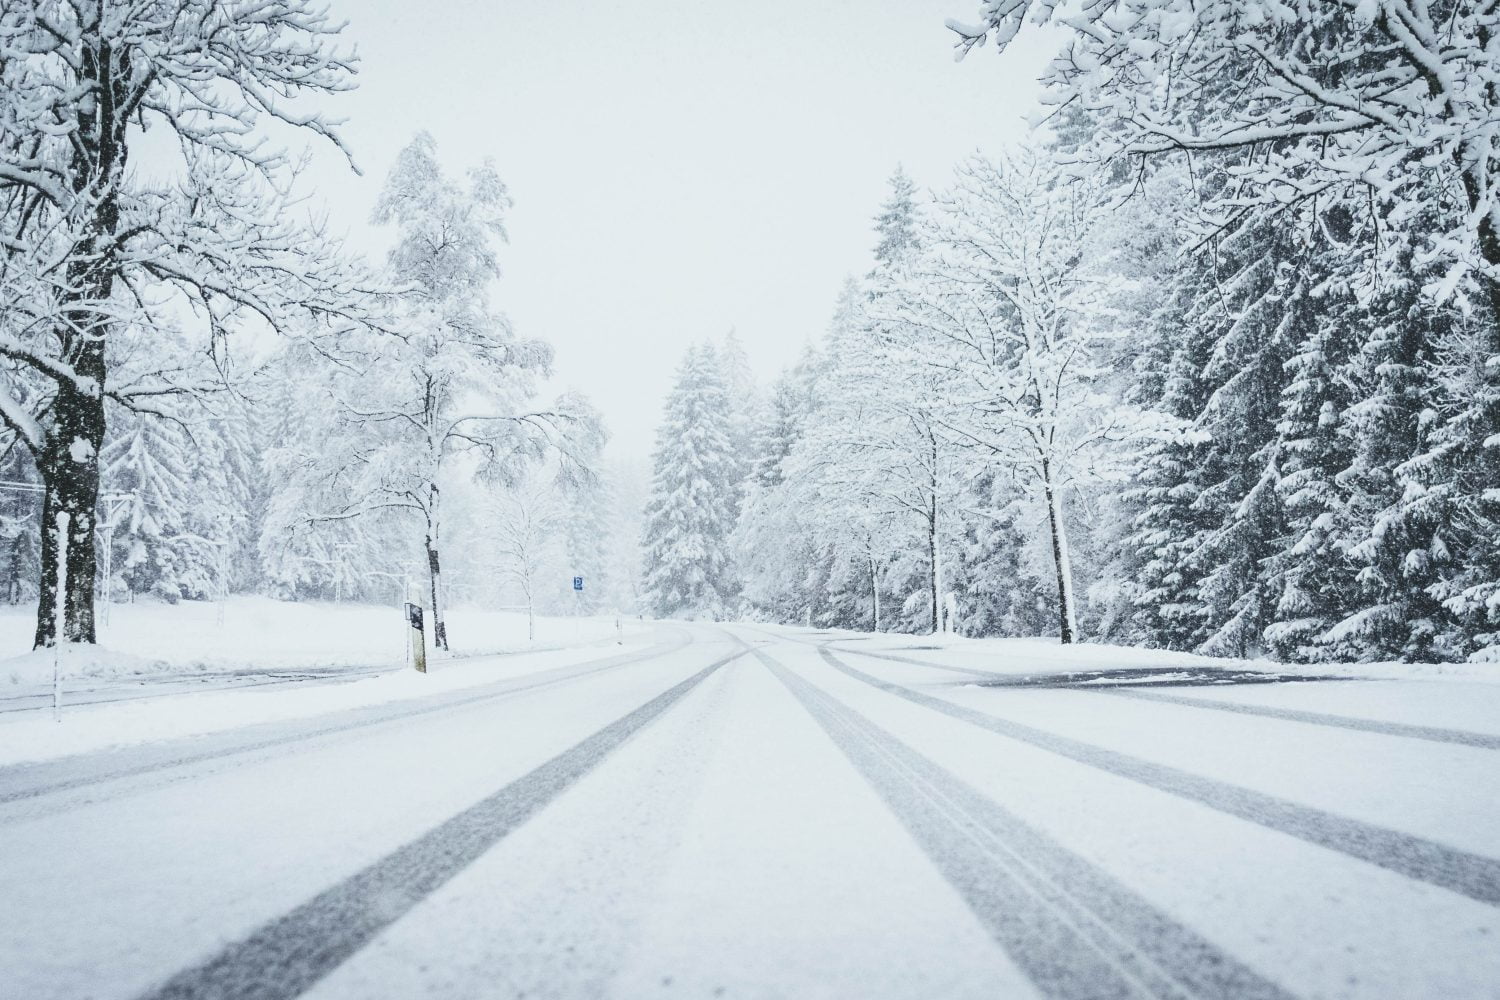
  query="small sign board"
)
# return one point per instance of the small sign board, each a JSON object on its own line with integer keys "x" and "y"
{"x": 577, "y": 583}
{"x": 414, "y": 616}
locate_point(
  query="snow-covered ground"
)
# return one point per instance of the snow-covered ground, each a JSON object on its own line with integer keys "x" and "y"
{"x": 169, "y": 671}
{"x": 1039, "y": 656}
{"x": 150, "y": 637}
{"x": 744, "y": 811}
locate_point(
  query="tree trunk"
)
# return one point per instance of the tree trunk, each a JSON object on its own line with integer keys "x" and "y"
{"x": 435, "y": 572}
{"x": 935, "y": 560}
{"x": 69, "y": 467}
{"x": 68, "y": 458}
{"x": 874, "y": 596}
{"x": 1067, "y": 619}
{"x": 1477, "y": 187}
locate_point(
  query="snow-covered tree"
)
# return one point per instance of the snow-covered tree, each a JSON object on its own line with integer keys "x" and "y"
{"x": 529, "y": 519}
{"x": 1004, "y": 306}
{"x": 451, "y": 390}
{"x": 690, "y": 512}
{"x": 98, "y": 258}
{"x": 1368, "y": 98}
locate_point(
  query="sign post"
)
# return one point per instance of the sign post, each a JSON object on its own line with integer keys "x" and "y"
{"x": 578, "y": 606}
{"x": 418, "y": 635}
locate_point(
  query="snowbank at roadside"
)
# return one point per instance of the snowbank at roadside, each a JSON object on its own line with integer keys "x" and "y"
{"x": 35, "y": 735}
{"x": 1044, "y": 656}
{"x": 244, "y": 633}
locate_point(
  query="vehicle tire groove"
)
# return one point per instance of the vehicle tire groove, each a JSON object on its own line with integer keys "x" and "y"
{"x": 1460, "y": 871}
{"x": 30, "y": 780}
{"x": 1076, "y": 932}
{"x": 288, "y": 955}
{"x": 1433, "y": 734}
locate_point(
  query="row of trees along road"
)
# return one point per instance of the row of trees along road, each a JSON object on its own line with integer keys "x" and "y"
{"x": 151, "y": 245}
{"x": 1213, "y": 364}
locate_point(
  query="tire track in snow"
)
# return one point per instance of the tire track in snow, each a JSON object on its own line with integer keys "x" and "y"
{"x": 1468, "y": 874}
{"x": 1075, "y": 931}
{"x": 287, "y": 956}
{"x": 28, "y": 781}
{"x": 1432, "y": 734}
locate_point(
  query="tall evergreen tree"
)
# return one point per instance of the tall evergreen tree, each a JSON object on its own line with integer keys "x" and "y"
{"x": 689, "y": 515}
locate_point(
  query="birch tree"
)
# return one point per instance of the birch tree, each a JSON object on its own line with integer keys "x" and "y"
{"x": 452, "y": 390}
{"x": 529, "y": 519}
{"x": 1003, "y": 307}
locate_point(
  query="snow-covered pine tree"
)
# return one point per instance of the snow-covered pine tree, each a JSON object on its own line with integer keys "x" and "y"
{"x": 148, "y": 460}
{"x": 689, "y": 514}
{"x": 896, "y": 225}
{"x": 775, "y": 553}
{"x": 1403, "y": 546}
{"x": 744, "y": 411}
{"x": 1311, "y": 572}
{"x": 1166, "y": 521}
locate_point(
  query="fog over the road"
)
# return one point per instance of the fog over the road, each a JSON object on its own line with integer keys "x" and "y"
{"x": 678, "y": 168}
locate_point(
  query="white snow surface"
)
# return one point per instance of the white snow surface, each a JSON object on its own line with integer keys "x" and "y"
{"x": 176, "y": 672}
{"x": 738, "y": 844}
{"x": 1041, "y": 656}
{"x": 151, "y": 637}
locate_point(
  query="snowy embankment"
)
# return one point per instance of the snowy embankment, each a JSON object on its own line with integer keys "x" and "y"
{"x": 164, "y": 672}
{"x": 84, "y": 728}
{"x": 256, "y": 633}
{"x": 1048, "y": 656}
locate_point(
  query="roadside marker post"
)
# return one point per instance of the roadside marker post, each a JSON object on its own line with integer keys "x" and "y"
{"x": 578, "y": 607}
{"x": 417, "y": 633}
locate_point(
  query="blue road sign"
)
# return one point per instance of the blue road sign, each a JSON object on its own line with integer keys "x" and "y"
{"x": 577, "y": 583}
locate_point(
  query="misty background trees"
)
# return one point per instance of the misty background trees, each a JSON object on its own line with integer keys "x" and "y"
{"x": 197, "y": 381}
{"x": 1209, "y": 362}
{"x": 1054, "y": 406}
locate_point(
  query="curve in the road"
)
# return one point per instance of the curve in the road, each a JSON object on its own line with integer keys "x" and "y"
{"x": 1077, "y": 932}
{"x": 29, "y": 781}
{"x": 288, "y": 955}
{"x": 1471, "y": 875}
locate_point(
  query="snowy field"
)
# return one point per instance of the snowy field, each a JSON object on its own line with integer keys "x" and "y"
{"x": 747, "y": 811}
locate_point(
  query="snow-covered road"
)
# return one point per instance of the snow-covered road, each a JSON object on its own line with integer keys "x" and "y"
{"x": 748, "y": 812}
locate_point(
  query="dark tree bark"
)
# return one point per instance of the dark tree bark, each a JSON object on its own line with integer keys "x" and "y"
{"x": 1060, "y": 558}
{"x": 69, "y": 467}
{"x": 68, "y": 458}
{"x": 435, "y": 572}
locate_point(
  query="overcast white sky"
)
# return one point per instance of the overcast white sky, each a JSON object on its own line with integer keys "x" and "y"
{"x": 679, "y": 167}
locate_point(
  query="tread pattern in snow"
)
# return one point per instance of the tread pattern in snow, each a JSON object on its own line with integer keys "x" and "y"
{"x": 1471, "y": 875}
{"x": 288, "y": 955}
{"x": 1075, "y": 931}
{"x": 29, "y": 781}
{"x": 1432, "y": 734}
